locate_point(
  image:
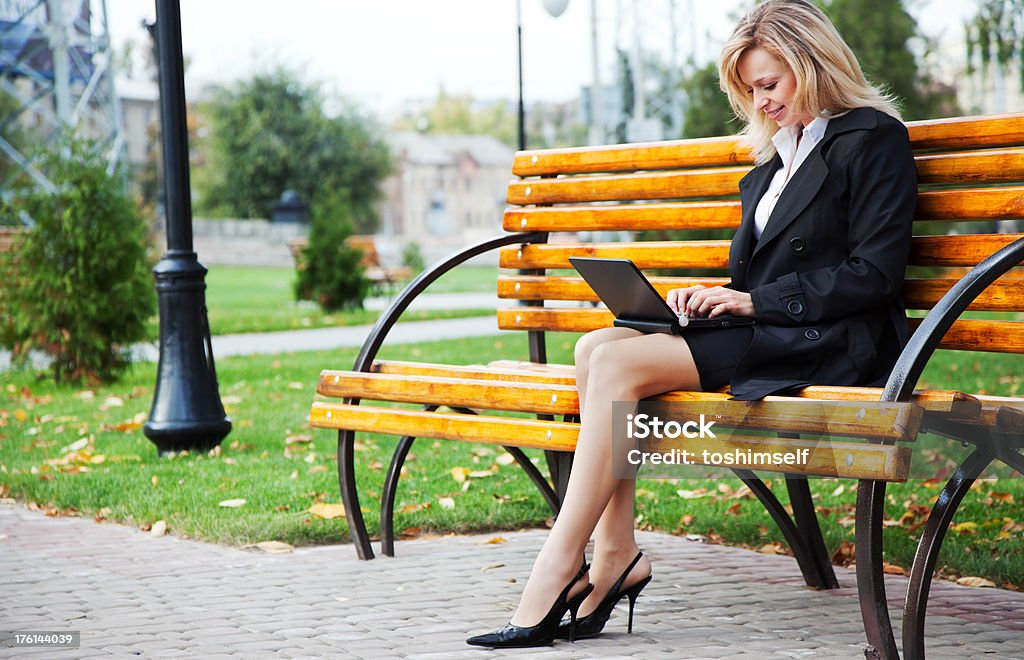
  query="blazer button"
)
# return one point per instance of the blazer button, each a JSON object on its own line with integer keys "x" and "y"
{"x": 795, "y": 307}
{"x": 797, "y": 244}
{"x": 812, "y": 334}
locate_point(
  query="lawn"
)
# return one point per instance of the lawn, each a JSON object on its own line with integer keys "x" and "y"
{"x": 73, "y": 451}
{"x": 260, "y": 299}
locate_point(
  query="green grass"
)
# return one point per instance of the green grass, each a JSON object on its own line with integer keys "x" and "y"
{"x": 260, "y": 299}
{"x": 268, "y": 399}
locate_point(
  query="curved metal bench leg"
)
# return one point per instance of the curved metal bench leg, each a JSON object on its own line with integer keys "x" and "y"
{"x": 804, "y": 559}
{"x": 927, "y": 554}
{"x": 807, "y": 522}
{"x": 350, "y": 496}
{"x": 387, "y": 499}
{"x": 870, "y": 577}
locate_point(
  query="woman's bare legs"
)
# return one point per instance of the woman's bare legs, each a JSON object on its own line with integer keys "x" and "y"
{"x": 622, "y": 365}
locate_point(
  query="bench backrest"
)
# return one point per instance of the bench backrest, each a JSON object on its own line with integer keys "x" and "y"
{"x": 971, "y": 203}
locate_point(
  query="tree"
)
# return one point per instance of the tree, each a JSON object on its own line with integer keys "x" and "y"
{"x": 881, "y": 33}
{"x": 270, "y": 133}
{"x": 460, "y": 114}
{"x": 996, "y": 33}
{"x": 79, "y": 286}
{"x": 707, "y": 110}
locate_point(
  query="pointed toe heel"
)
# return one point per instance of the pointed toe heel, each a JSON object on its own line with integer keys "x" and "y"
{"x": 544, "y": 633}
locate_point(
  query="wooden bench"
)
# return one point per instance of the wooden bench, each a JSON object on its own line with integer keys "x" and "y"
{"x": 970, "y": 169}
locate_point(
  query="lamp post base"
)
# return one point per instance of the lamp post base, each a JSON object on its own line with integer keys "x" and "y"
{"x": 187, "y": 412}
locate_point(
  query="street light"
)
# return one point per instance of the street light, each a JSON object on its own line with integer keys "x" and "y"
{"x": 555, "y": 9}
{"x": 187, "y": 412}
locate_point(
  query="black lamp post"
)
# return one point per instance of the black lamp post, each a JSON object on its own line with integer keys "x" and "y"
{"x": 555, "y": 8}
{"x": 187, "y": 412}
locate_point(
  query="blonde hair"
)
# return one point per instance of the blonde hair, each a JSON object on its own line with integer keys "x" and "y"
{"x": 829, "y": 79}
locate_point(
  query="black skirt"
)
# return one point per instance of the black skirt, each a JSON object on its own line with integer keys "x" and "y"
{"x": 716, "y": 352}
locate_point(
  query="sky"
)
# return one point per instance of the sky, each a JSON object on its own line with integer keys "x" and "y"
{"x": 381, "y": 52}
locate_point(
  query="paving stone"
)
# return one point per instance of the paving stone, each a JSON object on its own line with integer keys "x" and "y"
{"x": 135, "y": 595}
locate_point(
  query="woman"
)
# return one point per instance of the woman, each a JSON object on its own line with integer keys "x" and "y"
{"x": 818, "y": 261}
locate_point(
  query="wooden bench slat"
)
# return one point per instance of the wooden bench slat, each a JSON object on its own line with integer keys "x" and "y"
{"x": 895, "y": 421}
{"x": 967, "y": 168}
{"x": 944, "y": 402}
{"x": 952, "y": 134}
{"x": 559, "y": 436}
{"x": 970, "y": 334}
{"x": 832, "y": 459}
{"x": 717, "y": 182}
{"x": 655, "y": 216}
{"x": 955, "y": 250}
{"x": 937, "y": 205}
{"x": 512, "y": 374}
{"x": 1000, "y": 296}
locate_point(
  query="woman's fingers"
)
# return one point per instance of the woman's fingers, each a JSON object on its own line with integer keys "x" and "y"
{"x": 678, "y": 299}
{"x": 719, "y": 300}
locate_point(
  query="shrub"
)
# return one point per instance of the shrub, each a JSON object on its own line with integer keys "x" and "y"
{"x": 412, "y": 257}
{"x": 79, "y": 286}
{"x": 330, "y": 271}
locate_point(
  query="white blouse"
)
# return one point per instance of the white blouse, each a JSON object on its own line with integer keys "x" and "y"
{"x": 793, "y": 155}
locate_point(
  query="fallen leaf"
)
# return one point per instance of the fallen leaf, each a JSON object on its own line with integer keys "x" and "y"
{"x": 491, "y": 567}
{"x": 446, "y": 502}
{"x": 327, "y": 511}
{"x": 975, "y": 582}
{"x": 274, "y": 547}
{"x": 412, "y": 531}
{"x": 459, "y": 474}
{"x": 505, "y": 459}
{"x": 965, "y": 527}
{"x": 494, "y": 540}
{"x": 318, "y": 469}
{"x": 159, "y": 528}
{"x": 298, "y": 438}
{"x": 773, "y": 549}
{"x": 845, "y": 554}
{"x": 20, "y": 415}
{"x": 1002, "y": 497}
{"x": 295, "y": 385}
{"x": 112, "y": 402}
{"x": 413, "y": 508}
{"x": 481, "y": 474}
{"x": 692, "y": 494}
{"x": 840, "y": 489}
{"x": 686, "y": 519}
{"x": 893, "y": 569}
{"x": 232, "y": 504}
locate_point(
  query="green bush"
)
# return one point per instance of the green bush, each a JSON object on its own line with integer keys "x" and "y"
{"x": 79, "y": 286}
{"x": 412, "y": 257}
{"x": 330, "y": 271}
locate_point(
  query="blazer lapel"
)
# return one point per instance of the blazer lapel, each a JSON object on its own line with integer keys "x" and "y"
{"x": 752, "y": 188}
{"x": 796, "y": 196}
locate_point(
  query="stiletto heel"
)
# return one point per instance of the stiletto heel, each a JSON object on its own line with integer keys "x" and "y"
{"x": 542, "y": 634}
{"x": 634, "y": 593}
{"x": 593, "y": 623}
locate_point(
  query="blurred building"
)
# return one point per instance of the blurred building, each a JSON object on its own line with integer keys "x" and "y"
{"x": 446, "y": 189}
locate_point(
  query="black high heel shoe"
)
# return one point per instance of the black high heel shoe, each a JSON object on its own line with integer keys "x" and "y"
{"x": 592, "y": 624}
{"x": 543, "y": 633}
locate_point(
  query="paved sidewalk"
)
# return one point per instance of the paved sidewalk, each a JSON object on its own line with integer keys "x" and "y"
{"x": 133, "y": 595}
{"x": 314, "y": 339}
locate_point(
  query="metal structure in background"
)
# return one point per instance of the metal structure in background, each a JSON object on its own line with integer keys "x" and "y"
{"x": 56, "y": 77}
{"x": 187, "y": 412}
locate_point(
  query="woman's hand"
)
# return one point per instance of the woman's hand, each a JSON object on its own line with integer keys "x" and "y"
{"x": 700, "y": 301}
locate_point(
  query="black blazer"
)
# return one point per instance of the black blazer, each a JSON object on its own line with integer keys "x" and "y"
{"x": 826, "y": 275}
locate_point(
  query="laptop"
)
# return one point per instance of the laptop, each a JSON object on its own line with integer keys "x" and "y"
{"x": 637, "y": 304}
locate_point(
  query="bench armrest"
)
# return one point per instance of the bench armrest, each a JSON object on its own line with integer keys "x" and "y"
{"x": 388, "y": 319}
{"x": 923, "y": 342}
